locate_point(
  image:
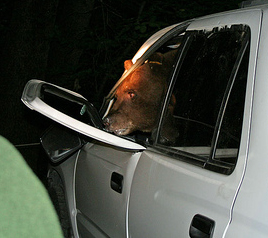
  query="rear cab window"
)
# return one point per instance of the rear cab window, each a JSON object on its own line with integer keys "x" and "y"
{"x": 202, "y": 120}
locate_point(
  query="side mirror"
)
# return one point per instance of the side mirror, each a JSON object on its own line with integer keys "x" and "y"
{"x": 59, "y": 143}
{"x": 71, "y": 110}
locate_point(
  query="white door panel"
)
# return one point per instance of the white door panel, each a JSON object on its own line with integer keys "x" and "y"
{"x": 100, "y": 207}
{"x": 167, "y": 193}
{"x": 164, "y": 200}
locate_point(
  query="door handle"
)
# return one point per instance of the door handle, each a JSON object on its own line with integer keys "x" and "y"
{"x": 201, "y": 227}
{"x": 117, "y": 182}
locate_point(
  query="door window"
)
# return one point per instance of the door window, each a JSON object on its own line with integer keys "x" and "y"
{"x": 202, "y": 123}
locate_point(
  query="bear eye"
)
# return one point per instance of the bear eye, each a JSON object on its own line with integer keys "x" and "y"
{"x": 132, "y": 94}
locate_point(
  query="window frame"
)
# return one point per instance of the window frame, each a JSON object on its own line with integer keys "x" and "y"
{"x": 209, "y": 163}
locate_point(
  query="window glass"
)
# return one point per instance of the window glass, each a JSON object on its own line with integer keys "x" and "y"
{"x": 231, "y": 127}
{"x": 205, "y": 112}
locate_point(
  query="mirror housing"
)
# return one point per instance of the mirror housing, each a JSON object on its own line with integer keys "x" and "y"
{"x": 68, "y": 108}
{"x": 59, "y": 143}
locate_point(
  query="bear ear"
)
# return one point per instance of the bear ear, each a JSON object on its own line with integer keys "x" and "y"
{"x": 128, "y": 64}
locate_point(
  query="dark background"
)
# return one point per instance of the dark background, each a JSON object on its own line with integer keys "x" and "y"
{"x": 80, "y": 45}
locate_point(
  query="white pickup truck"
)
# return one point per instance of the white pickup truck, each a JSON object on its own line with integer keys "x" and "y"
{"x": 211, "y": 180}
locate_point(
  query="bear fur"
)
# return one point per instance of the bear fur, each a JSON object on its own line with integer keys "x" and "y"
{"x": 139, "y": 98}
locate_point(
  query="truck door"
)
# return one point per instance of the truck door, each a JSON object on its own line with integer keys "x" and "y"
{"x": 186, "y": 186}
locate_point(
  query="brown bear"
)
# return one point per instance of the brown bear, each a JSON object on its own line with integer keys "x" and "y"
{"x": 139, "y": 97}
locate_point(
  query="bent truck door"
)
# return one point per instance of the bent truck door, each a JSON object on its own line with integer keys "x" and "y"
{"x": 189, "y": 187}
